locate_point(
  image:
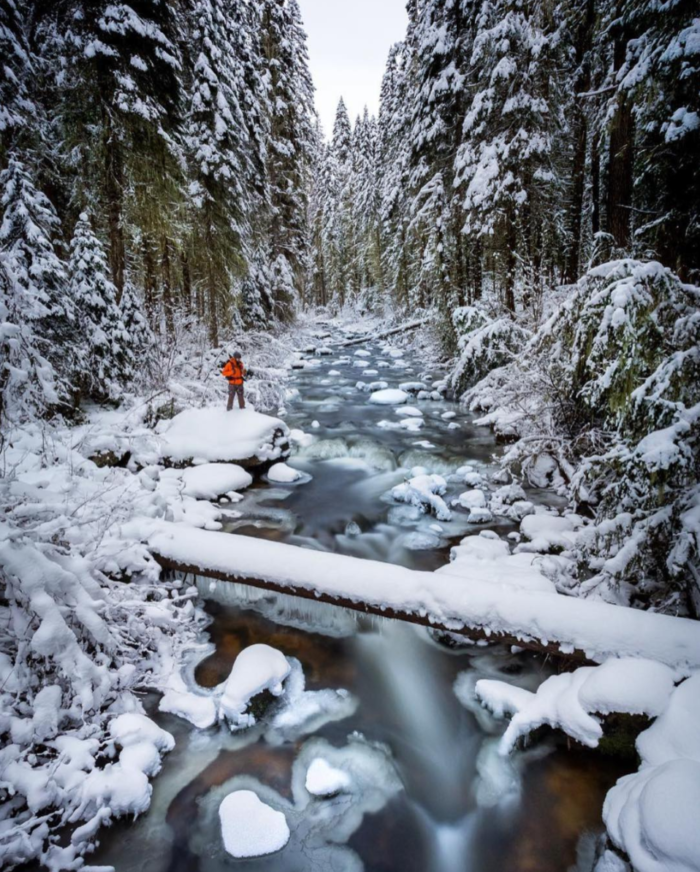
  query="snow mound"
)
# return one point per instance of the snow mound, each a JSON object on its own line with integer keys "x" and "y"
{"x": 409, "y": 412}
{"x": 652, "y": 814}
{"x": 280, "y": 473}
{"x": 256, "y": 668}
{"x": 213, "y": 434}
{"x": 473, "y": 499}
{"x": 488, "y": 557}
{"x": 213, "y": 480}
{"x": 570, "y": 701}
{"x": 547, "y": 533}
{"x": 390, "y": 397}
{"x": 249, "y": 828}
{"x": 425, "y": 492}
{"x": 322, "y": 779}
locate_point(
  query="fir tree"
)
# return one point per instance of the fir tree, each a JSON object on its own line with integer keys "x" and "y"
{"x": 35, "y": 282}
{"x": 105, "y": 360}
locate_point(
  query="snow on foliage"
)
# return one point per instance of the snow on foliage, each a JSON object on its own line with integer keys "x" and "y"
{"x": 484, "y": 345}
{"x": 78, "y": 644}
{"x": 606, "y": 396}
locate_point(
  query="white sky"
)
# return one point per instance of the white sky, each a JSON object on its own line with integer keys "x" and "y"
{"x": 349, "y": 41}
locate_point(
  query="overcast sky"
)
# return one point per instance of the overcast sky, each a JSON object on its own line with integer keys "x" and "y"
{"x": 349, "y": 41}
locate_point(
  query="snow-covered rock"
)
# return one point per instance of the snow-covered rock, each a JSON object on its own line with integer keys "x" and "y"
{"x": 212, "y": 480}
{"x": 257, "y": 668}
{"x": 412, "y": 387}
{"x": 424, "y": 492}
{"x": 211, "y": 435}
{"x": 479, "y": 515}
{"x": 249, "y": 827}
{"x": 389, "y": 397}
{"x": 322, "y": 779}
{"x": 473, "y": 499}
{"x": 651, "y": 815}
{"x": 281, "y": 473}
{"x": 409, "y": 412}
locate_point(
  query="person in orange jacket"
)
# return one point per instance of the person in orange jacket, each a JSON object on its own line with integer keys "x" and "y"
{"x": 234, "y": 372}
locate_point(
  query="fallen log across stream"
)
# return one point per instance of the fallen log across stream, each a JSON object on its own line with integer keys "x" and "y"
{"x": 479, "y": 603}
{"x": 393, "y": 331}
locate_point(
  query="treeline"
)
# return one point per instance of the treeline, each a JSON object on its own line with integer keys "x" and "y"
{"x": 154, "y": 160}
{"x": 518, "y": 143}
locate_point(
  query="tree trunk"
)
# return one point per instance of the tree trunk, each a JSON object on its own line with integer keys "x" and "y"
{"x": 150, "y": 284}
{"x": 167, "y": 288}
{"x": 114, "y": 193}
{"x": 186, "y": 282}
{"x": 620, "y": 178}
{"x": 620, "y": 156}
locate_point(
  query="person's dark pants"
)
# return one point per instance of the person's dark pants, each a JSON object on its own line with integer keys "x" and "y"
{"x": 235, "y": 391}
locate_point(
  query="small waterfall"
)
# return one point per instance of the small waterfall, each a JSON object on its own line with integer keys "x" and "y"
{"x": 434, "y": 742}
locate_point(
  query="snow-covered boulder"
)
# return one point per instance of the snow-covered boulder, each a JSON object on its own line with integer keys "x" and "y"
{"x": 212, "y": 480}
{"x": 473, "y": 499}
{"x": 281, "y": 473}
{"x": 389, "y": 397}
{"x": 652, "y": 814}
{"x": 249, "y": 827}
{"x": 425, "y": 492}
{"x": 256, "y": 669}
{"x": 479, "y": 515}
{"x": 213, "y": 435}
{"x": 322, "y": 779}
{"x": 547, "y": 533}
{"x": 413, "y": 387}
{"x": 409, "y": 412}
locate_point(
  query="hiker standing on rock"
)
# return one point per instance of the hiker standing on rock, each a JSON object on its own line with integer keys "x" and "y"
{"x": 234, "y": 371}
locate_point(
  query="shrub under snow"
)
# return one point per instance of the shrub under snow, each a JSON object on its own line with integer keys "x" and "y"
{"x": 607, "y": 396}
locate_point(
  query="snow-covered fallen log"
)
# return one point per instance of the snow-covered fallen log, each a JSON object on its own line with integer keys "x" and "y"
{"x": 483, "y": 599}
{"x": 384, "y": 334}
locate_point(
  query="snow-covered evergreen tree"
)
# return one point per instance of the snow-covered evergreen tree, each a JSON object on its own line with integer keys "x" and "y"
{"x": 104, "y": 360}
{"x": 290, "y": 151}
{"x": 35, "y": 295}
{"x": 16, "y": 106}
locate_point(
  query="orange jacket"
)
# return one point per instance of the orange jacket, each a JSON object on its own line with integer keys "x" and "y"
{"x": 234, "y": 371}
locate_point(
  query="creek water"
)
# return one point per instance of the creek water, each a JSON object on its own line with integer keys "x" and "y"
{"x": 431, "y": 793}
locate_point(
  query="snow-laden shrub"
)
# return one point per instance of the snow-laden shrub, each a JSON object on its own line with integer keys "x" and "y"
{"x": 484, "y": 345}
{"x": 624, "y": 319}
{"x": 86, "y": 625}
{"x": 609, "y": 388}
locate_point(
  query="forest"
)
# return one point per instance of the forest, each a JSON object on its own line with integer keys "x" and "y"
{"x": 514, "y": 238}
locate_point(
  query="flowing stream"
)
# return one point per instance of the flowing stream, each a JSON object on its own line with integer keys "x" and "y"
{"x": 431, "y": 793}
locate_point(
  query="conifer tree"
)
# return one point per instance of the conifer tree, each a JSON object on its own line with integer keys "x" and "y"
{"x": 104, "y": 360}
{"x": 39, "y": 339}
